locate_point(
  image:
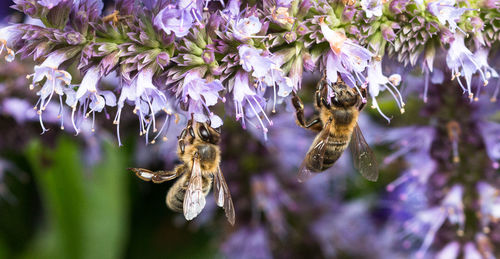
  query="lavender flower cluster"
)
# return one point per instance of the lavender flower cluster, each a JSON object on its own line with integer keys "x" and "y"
{"x": 243, "y": 59}
{"x": 197, "y": 54}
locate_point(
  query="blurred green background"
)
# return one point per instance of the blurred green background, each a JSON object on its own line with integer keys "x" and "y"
{"x": 61, "y": 208}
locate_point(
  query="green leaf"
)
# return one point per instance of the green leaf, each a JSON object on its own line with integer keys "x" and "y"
{"x": 86, "y": 212}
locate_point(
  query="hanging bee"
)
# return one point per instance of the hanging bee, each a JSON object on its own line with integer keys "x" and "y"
{"x": 337, "y": 126}
{"x": 198, "y": 149}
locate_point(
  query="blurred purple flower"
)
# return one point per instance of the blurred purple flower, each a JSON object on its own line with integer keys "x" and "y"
{"x": 471, "y": 252}
{"x": 272, "y": 200}
{"x": 450, "y": 251}
{"x": 453, "y": 204}
{"x": 21, "y": 110}
{"x": 489, "y": 203}
{"x": 425, "y": 225}
{"x": 490, "y": 132}
{"x": 337, "y": 231}
{"x": 248, "y": 243}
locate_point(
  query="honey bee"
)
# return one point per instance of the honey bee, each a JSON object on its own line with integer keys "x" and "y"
{"x": 199, "y": 153}
{"x": 337, "y": 126}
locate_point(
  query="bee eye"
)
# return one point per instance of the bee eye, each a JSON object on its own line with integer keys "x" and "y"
{"x": 204, "y": 133}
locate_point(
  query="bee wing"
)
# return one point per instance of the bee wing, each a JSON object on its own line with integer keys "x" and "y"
{"x": 194, "y": 199}
{"x": 316, "y": 153}
{"x": 223, "y": 196}
{"x": 363, "y": 156}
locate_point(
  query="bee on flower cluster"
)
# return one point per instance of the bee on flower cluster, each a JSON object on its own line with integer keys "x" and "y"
{"x": 198, "y": 149}
{"x": 337, "y": 124}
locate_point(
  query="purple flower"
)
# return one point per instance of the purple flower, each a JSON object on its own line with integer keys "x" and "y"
{"x": 57, "y": 81}
{"x": 450, "y": 251}
{"x": 6, "y": 35}
{"x": 246, "y": 28}
{"x": 346, "y": 57}
{"x": 251, "y": 60}
{"x": 179, "y": 19}
{"x": 50, "y": 3}
{"x": 454, "y": 206}
{"x": 489, "y": 203}
{"x": 148, "y": 101}
{"x": 446, "y": 11}
{"x": 199, "y": 95}
{"x": 388, "y": 31}
{"x": 482, "y": 58}
{"x": 266, "y": 71}
{"x": 377, "y": 81}
{"x": 337, "y": 231}
{"x": 89, "y": 97}
{"x": 425, "y": 225}
{"x": 414, "y": 144}
{"x": 21, "y": 110}
{"x": 372, "y": 7}
{"x": 490, "y": 132}
{"x": 247, "y": 243}
{"x": 248, "y": 102}
{"x": 462, "y": 62}
{"x": 471, "y": 252}
{"x": 271, "y": 199}
{"x": 398, "y": 6}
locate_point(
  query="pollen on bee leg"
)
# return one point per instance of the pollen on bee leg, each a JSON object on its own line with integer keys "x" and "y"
{"x": 153, "y": 141}
{"x": 164, "y": 138}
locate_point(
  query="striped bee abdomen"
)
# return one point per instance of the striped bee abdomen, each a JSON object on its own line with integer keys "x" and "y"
{"x": 333, "y": 151}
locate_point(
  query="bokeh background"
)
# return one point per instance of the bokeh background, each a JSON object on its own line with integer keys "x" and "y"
{"x": 66, "y": 196}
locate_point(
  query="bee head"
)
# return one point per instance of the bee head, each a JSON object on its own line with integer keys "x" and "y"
{"x": 207, "y": 133}
{"x": 344, "y": 95}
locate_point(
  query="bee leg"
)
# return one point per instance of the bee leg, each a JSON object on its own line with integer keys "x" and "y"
{"x": 181, "y": 143}
{"x": 190, "y": 128}
{"x": 315, "y": 124}
{"x": 183, "y": 135}
{"x": 156, "y": 177}
{"x": 163, "y": 176}
{"x": 320, "y": 93}
{"x": 363, "y": 94}
{"x": 299, "y": 110}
